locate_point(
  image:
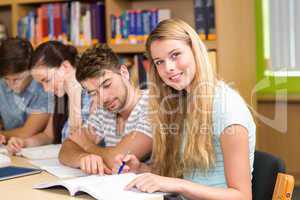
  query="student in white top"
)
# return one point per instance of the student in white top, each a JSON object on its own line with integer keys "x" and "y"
{"x": 204, "y": 134}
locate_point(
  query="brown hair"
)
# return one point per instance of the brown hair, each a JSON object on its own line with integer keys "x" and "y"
{"x": 15, "y": 56}
{"x": 52, "y": 54}
{"x": 94, "y": 60}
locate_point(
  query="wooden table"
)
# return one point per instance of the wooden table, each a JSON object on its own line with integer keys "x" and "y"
{"x": 21, "y": 188}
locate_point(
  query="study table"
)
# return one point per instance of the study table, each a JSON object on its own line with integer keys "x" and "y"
{"x": 21, "y": 188}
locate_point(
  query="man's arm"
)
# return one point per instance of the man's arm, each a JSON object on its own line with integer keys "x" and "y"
{"x": 74, "y": 156}
{"x": 70, "y": 154}
{"x": 35, "y": 123}
{"x": 137, "y": 143}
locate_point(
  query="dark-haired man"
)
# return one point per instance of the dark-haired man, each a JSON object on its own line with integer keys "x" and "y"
{"x": 120, "y": 119}
{"x": 24, "y": 106}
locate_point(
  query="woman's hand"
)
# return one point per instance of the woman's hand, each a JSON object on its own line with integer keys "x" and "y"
{"x": 15, "y": 145}
{"x": 150, "y": 183}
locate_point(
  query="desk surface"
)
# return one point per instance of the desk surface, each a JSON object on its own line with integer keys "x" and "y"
{"x": 21, "y": 188}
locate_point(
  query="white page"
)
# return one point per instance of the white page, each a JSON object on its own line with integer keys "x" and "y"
{"x": 41, "y": 152}
{"x": 45, "y": 162}
{"x": 109, "y": 187}
{"x": 54, "y": 167}
{"x": 3, "y": 149}
{"x": 112, "y": 187}
{"x": 64, "y": 171}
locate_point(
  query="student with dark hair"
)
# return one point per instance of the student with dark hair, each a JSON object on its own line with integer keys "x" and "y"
{"x": 53, "y": 66}
{"x": 120, "y": 118}
{"x": 24, "y": 106}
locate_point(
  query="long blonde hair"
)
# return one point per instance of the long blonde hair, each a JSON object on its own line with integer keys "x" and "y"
{"x": 188, "y": 143}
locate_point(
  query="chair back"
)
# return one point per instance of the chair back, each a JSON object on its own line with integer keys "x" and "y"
{"x": 265, "y": 170}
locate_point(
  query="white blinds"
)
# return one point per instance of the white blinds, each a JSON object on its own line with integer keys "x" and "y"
{"x": 281, "y": 20}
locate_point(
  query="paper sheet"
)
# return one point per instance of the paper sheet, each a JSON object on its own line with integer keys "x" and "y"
{"x": 54, "y": 167}
{"x": 41, "y": 152}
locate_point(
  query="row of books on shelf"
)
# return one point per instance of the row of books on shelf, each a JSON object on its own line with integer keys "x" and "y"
{"x": 78, "y": 23}
{"x": 205, "y": 19}
{"x": 134, "y": 26}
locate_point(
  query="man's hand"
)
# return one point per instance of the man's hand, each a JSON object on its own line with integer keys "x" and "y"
{"x": 93, "y": 164}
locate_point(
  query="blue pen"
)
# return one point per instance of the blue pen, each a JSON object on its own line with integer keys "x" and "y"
{"x": 123, "y": 164}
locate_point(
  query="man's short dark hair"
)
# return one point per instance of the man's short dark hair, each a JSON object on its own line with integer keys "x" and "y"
{"x": 95, "y": 60}
{"x": 15, "y": 56}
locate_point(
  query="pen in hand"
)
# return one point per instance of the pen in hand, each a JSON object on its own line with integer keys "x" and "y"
{"x": 123, "y": 163}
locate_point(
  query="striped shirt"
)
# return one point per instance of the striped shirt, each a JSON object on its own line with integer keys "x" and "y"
{"x": 104, "y": 122}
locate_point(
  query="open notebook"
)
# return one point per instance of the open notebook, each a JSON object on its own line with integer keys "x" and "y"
{"x": 41, "y": 152}
{"x": 110, "y": 187}
{"x": 54, "y": 167}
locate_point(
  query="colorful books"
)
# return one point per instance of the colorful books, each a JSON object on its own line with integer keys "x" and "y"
{"x": 134, "y": 26}
{"x": 205, "y": 19}
{"x": 77, "y": 23}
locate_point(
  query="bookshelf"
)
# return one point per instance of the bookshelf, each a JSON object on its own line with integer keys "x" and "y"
{"x": 235, "y": 27}
{"x": 5, "y": 15}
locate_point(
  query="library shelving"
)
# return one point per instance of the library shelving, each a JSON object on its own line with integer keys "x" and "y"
{"x": 234, "y": 48}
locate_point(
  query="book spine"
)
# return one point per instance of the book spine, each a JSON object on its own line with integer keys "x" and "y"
{"x": 45, "y": 22}
{"x": 102, "y": 35}
{"x": 200, "y": 18}
{"x": 118, "y": 29}
{"x": 146, "y": 23}
{"x": 93, "y": 8}
{"x": 64, "y": 22}
{"x": 211, "y": 29}
{"x": 51, "y": 21}
{"x": 113, "y": 29}
{"x": 57, "y": 21}
{"x": 139, "y": 27}
{"x": 153, "y": 19}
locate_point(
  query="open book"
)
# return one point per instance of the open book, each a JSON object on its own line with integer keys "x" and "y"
{"x": 41, "y": 152}
{"x": 110, "y": 187}
{"x": 54, "y": 167}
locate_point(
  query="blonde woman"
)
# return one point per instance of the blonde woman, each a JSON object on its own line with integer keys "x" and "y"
{"x": 204, "y": 134}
